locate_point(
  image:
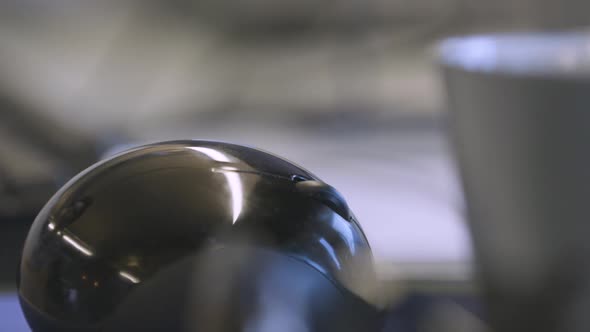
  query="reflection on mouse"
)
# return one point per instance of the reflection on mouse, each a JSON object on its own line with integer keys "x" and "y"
{"x": 197, "y": 236}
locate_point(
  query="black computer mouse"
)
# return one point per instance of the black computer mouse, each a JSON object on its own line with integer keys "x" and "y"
{"x": 197, "y": 236}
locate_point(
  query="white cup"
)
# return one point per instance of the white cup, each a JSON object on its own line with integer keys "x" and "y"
{"x": 520, "y": 124}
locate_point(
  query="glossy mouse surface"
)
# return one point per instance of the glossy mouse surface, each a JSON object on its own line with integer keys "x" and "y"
{"x": 123, "y": 221}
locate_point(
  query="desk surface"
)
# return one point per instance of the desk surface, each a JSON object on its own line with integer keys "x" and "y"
{"x": 11, "y": 318}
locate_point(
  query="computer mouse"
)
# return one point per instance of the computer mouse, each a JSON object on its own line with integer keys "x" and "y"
{"x": 197, "y": 236}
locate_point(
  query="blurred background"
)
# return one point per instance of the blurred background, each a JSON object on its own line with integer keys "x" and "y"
{"x": 347, "y": 88}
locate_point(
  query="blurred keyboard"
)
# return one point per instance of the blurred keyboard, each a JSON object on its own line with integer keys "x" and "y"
{"x": 28, "y": 176}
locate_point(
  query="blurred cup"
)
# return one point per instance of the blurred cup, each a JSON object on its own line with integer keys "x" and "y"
{"x": 520, "y": 123}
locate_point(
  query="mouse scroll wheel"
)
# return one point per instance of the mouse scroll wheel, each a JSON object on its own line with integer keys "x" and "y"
{"x": 326, "y": 194}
